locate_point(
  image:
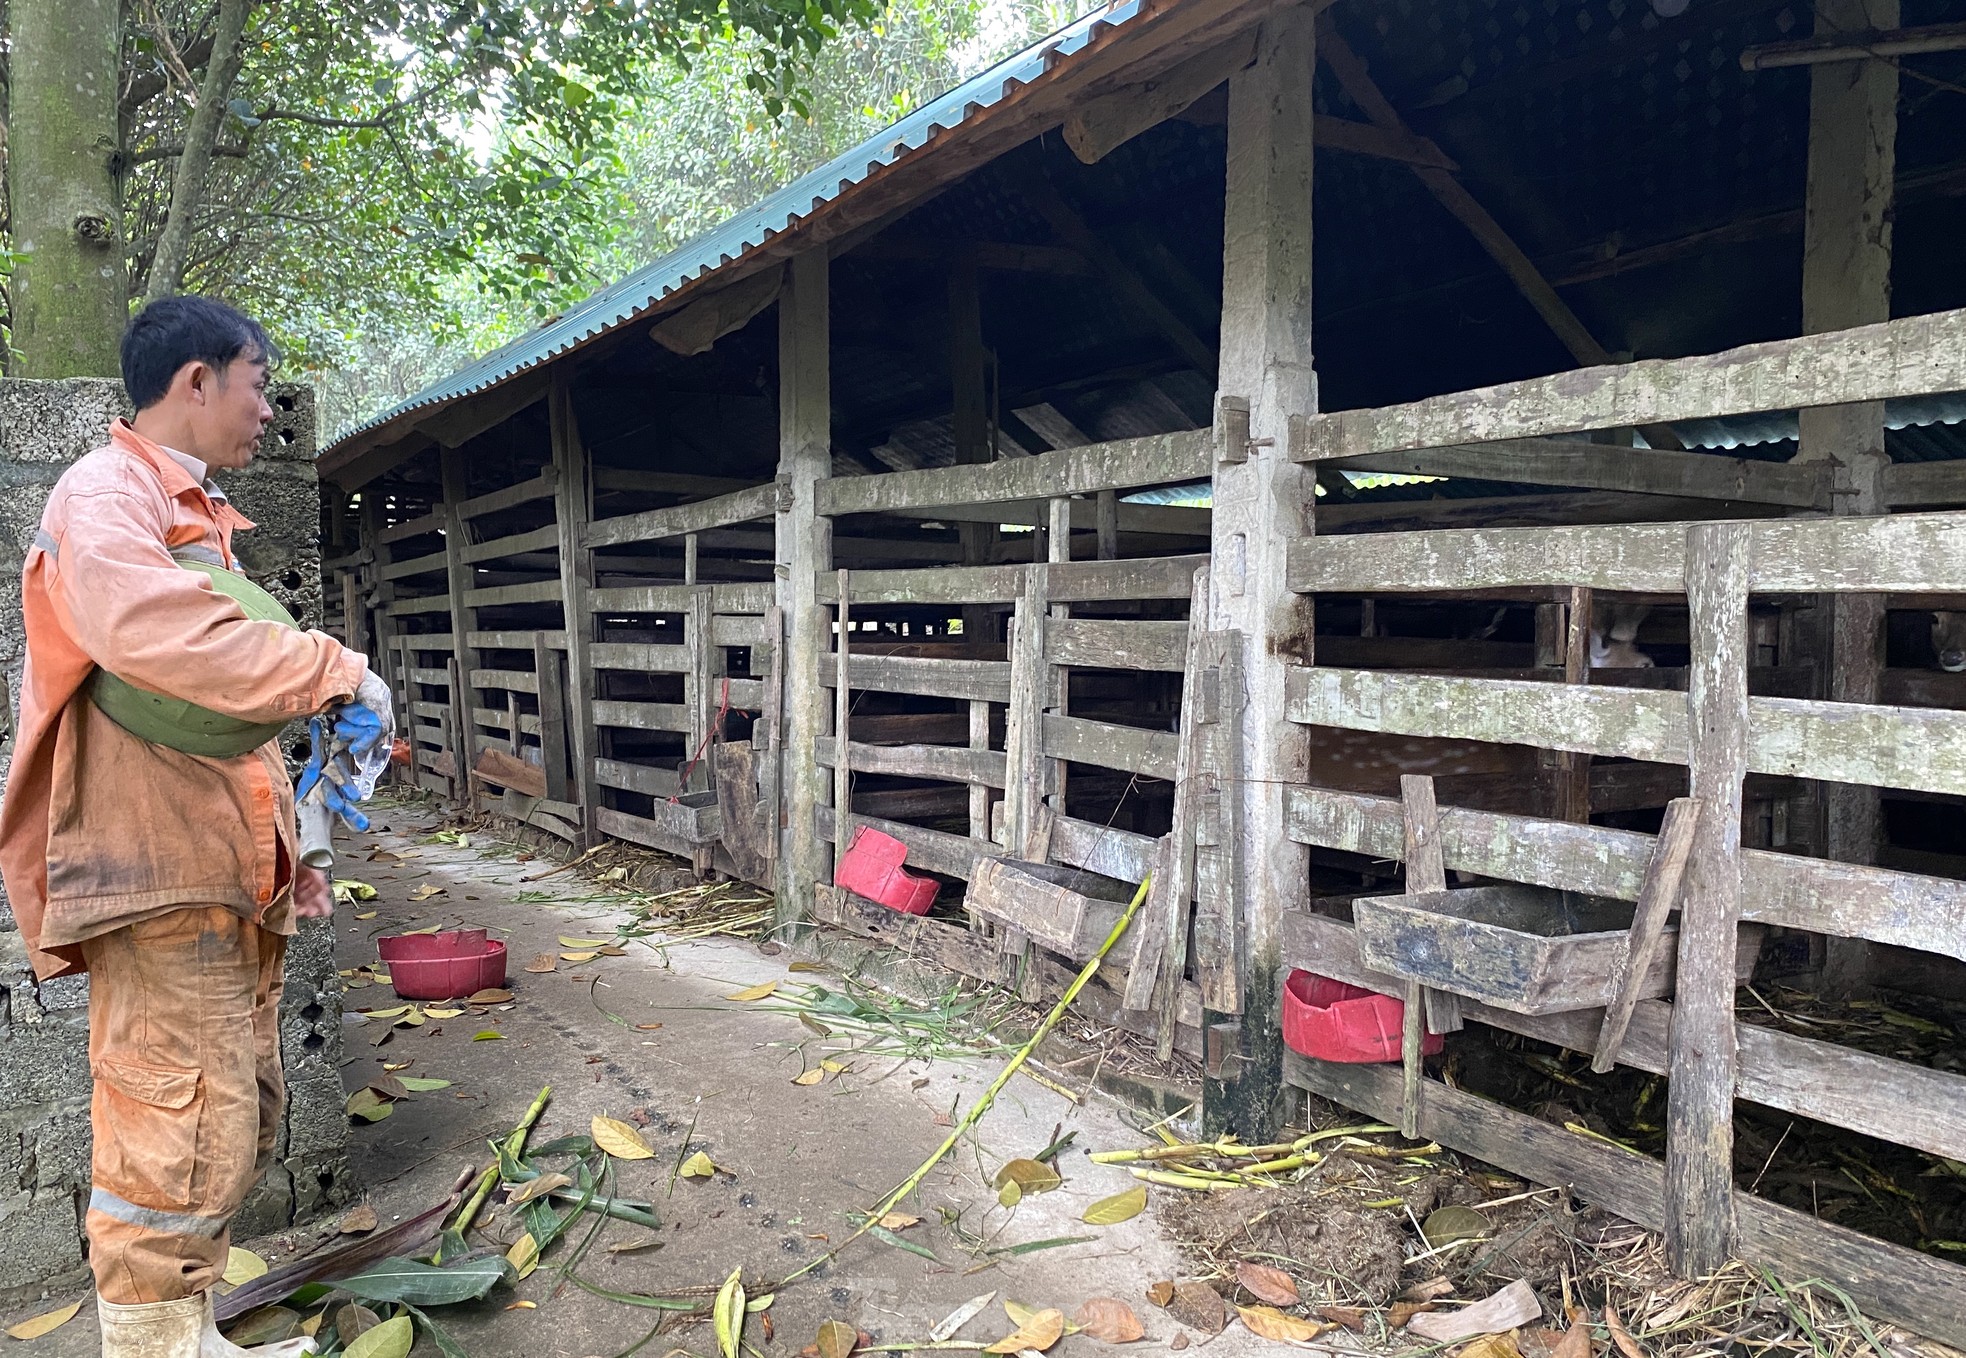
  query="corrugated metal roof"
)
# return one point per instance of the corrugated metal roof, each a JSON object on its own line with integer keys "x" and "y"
{"x": 646, "y": 287}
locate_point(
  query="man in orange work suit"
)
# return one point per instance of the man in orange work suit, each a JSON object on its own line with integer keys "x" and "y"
{"x": 171, "y": 877}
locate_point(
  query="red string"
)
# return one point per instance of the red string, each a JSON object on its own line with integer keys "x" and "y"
{"x": 716, "y": 727}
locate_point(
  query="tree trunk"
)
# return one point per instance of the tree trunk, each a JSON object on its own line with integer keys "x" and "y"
{"x": 200, "y": 139}
{"x": 70, "y": 295}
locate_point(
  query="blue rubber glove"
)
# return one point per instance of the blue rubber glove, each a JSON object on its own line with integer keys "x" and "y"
{"x": 361, "y": 728}
{"x": 331, "y": 792}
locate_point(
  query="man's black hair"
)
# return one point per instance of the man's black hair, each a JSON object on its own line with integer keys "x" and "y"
{"x": 174, "y": 331}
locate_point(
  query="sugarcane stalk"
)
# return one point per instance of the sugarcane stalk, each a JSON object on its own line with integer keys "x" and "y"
{"x": 514, "y": 1143}
{"x": 1168, "y": 1179}
{"x": 1283, "y": 1166}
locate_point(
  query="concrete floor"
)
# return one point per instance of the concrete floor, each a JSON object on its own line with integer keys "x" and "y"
{"x": 800, "y": 1160}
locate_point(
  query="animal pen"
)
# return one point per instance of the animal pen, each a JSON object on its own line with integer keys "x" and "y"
{"x": 982, "y": 489}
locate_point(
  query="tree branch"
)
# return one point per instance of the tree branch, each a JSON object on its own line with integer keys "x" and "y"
{"x": 200, "y": 140}
{"x": 172, "y": 152}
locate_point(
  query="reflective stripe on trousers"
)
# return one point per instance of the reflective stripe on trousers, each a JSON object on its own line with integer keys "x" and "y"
{"x": 184, "y": 1045}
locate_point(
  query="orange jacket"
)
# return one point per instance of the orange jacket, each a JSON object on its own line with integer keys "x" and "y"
{"x": 99, "y": 828}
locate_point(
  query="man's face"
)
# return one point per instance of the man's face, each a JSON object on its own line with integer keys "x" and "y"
{"x": 233, "y": 413}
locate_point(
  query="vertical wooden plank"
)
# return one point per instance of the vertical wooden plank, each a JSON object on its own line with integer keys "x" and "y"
{"x": 773, "y": 726}
{"x": 1846, "y": 281}
{"x": 979, "y": 793}
{"x": 460, "y": 727}
{"x": 1056, "y": 679}
{"x": 1426, "y": 870}
{"x": 689, "y": 558}
{"x": 464, "y": 619}
{"x": 546, "y": 665}
{"x": 704, "y": 683}
{"x": 1024, "y": 769}
{"x": 514, "y": 740}
{"x": 1658, "y": 896}
{"x": 354, "y": 620}
{"x": 804, "y": 548}
{"x": 842, "y": 710}
{"x": 1573, "y": 770}
{"x": 573, "y": 506}
{"x": 1261, "y": 503}
{"x": 1700, "y": 1102}
{"x": 1160, "y": 935}
{"x": 1107, "y": 525}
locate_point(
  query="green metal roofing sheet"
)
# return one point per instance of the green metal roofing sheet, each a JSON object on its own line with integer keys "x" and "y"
{"x": 646, "y": 287}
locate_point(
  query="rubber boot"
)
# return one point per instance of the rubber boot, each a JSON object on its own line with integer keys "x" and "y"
{"x": 178, "y": 1329}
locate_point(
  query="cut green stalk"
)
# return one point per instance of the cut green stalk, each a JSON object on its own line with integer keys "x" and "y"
{"x": 982, "y": 1105}
{"x": 514, "y": 1143}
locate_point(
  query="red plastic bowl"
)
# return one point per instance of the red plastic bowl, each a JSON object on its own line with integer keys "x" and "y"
{"x": 871, "y": 867}
{"x": 443, "y": 966}
{"x": 1333, "y": 1021}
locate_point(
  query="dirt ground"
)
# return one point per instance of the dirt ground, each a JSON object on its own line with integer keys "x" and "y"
{"x": 797, "y": 1161}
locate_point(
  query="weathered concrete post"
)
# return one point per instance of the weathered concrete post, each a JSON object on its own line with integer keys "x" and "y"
{"x": 1263, "y": 501}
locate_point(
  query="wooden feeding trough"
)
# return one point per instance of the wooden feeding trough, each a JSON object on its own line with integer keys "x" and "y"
{"x": 691, "y": 817}
{"x": 1064, "y": 910}
{"x": 1526, "y": 949}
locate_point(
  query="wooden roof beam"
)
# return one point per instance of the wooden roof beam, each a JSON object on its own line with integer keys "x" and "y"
{"x": 1885, "y": 43}
{"x": 1454, "y": 196}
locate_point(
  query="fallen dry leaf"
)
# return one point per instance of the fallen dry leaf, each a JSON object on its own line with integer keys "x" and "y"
{"x": 578, "y": 956}
{"x": 1030, "y": 1176}
{"x": 1179, "y": 1342}
{"x": 242, "y": 1266}
{"x": 1120, "y": 1207}
{"x": 1428, "y": 1290}
{"x": 359, "y": 1220}
{"x": 647, "y": 1027}
{"x": 523, "y": 1306}
{"x": 1199, "y": 1307}
{"x": 810, "y": 1077}
{"x": 1514, "y": 1305}
{"x": 1109, "y": 1320}
{"x": 1621, "y": 1336}
{"x": 543, "y": 962}
{"x": 1160, "y": 1293}
{"x": 426, "y": 891}
{"x": 620, "y": 1140}
{"x": 837, "y": 1339}
{"x": 44, "y": 1323}
{"x": 756, "y": 992}
{"x": 1574, "y": 1342}
{"x": 1270, "y": 1323}
{"x": 1040, "y": 1332}
{"x": 1351, "y": 1317}
{"x": 1402, "y": 1311}
{"x": 533, "y": 1188}
{"x": 491, "y": 995}
{"x": 1492, "y": 1346}
{"x": 1268, "y": 1284}
{"x": 442, "y": 1013}
{"x": 898, "y": 1221}
{"x": 698, "y": 1166}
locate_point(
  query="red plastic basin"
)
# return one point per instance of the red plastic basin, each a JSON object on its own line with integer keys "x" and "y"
{"x": 442, "y": 966}
{"x": 871, "y": 867}
{"x": 1333, "y": 1021}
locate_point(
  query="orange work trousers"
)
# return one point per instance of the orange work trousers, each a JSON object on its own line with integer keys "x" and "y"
{"x": 184, "y": 1046}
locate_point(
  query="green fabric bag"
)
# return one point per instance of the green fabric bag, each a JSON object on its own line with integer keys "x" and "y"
{"x": 180, "y": 725}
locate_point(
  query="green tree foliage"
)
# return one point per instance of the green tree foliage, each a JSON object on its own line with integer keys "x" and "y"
{"x": 693, "y": 146}
{"x": 363, "y": 154}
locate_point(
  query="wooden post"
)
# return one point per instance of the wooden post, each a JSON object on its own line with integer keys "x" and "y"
{"x": 382, "y": 658}
{"x": 573, "y": 506}
{"x": 773, "y": 725}
{"x": 979, "y": 793}
{"x": 971, "y": 411}
{"x": 1700, "y": 1101}
{"x": 842, "y": 710}
{"x": 354, "y": 631}
{"x": 464, "y": 619}
{"x": 1025, "y": 768}
{"x": 804, "y": 548}
{"x": 552, "y": 717}
{"x": 1262, "y": 502}
{"x": 1846, "y": 281}
{"x": 1107, "y": 508}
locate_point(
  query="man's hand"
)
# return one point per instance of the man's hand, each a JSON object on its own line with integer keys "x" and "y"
{"x": 313, "y": 894}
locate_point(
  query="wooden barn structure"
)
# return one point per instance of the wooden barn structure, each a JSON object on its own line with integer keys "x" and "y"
{"x": 1307, "y": 450}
